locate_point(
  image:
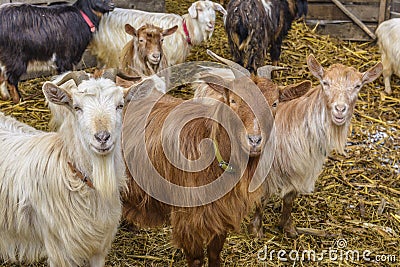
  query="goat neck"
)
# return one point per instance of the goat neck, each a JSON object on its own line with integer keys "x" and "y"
{"x": 197, "y": 36}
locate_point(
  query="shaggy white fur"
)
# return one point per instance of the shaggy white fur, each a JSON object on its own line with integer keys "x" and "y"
{"x": 46, "y": 209}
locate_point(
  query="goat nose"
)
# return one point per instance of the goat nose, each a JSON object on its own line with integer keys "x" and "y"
{"x": 254, "y": 140}
{"x": 156, "y": 55}
{"x": 340, "y": 107}
{"x": 102, "y": 137}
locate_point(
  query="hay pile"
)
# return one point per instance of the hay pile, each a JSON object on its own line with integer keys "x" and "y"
{"x": 355, "y": 207}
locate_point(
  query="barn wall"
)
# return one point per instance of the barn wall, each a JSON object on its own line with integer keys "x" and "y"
{"x": 331, "y": 20}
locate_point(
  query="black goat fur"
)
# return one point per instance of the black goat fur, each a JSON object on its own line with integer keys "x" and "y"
{"x": 252, "y": 31}
{"x": 31, "y": 33}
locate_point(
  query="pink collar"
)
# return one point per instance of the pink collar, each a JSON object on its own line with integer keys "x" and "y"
{"x": 88, "y": 21}
{"x": 185, "y": 29}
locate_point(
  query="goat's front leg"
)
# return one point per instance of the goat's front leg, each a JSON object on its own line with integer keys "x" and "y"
{"x": 286, "y": 222}
{"x": 194, "y": 255}
{"x": 255, "y": 226}
{"x": 214, "y": 249}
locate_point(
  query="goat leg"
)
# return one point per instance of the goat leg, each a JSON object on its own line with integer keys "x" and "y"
{"x": 5, "y": 95}
{"x": 194, "y": 255}
{"x": 214, "y": 249}
{"x": 286, "y": 222}
{"x": 16, "y": 97}
{"x": 255, "y": 226}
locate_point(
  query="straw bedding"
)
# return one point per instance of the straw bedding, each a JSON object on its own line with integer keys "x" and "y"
{"x": 355, "y": 207}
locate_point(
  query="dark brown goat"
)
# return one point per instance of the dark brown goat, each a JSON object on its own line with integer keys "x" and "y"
{"x": 144, "y": 52}
{"x": 207, "y": 223}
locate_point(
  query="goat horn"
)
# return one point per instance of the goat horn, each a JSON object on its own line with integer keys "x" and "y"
{"x": 110, "y": 74}
{"x": 240, "y": 71}
{"x": 128, "y": 77}
{"x": 267, "y": 70}
{"x": 77, "y": 76}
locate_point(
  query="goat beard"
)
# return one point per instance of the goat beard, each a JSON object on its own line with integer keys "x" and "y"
{"x": 105, "y": 180}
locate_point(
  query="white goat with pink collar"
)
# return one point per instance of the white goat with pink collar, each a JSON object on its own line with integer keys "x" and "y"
{"x": 194, "y": 28}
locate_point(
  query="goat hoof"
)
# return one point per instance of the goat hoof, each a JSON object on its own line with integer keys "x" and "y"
{"x": 197, "y": 263}
{"x": 256, "y": 231}
{"x": 290, "y": 230}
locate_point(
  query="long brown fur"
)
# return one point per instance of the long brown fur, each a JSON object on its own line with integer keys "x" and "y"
{"x": 193, "y": 227}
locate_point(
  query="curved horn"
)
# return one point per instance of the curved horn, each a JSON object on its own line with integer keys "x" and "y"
{"x": 128, "y": 77}
{"x": 240, "y": 71}
{"x": 110, "y": 74}
{"x": 77, "y": 76}
{"x": 266, "y": 71}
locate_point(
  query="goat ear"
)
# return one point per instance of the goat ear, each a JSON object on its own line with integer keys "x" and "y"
{"x": 193, "y": 10}
{"x": 373, "y": 73}
{"x": 56, "y": 95}
{"x": 130, "y": 30}
{"x": 218, "y": 7}
{"x": 139, "y": 91}
{"x": 221, "y": 90}
{"x": 170, "y": 31}
{"x": 293, "y": 91}
{"x": 316, "y": 69}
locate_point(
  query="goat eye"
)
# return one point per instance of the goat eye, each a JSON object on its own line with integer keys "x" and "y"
{"x": 200, "y": 10}
{"x": 233, "y": 101}
{"x": 325, "y": 83}
{"x": 358, "y": 86}
{"x": 120, "y": 106}
{"x": 77, "y": 108}
{"x": 275, "y": 104}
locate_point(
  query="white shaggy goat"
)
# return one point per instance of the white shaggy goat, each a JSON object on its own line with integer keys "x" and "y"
{"x": 193, "y": 28}
{"x": 60, "y": 192}
{"x": 308, "y": 129}
{"x": 388, "y": 34}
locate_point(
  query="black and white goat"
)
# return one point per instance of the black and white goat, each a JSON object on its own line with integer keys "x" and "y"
{"x": 253, "y": 26}
{"x": 58, "y": 33}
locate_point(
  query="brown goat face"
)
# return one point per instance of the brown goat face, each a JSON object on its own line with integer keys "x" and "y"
{"x": 149, "y": 40}
{"x": 341, "y": 85}
{"x": 253, "y": 139}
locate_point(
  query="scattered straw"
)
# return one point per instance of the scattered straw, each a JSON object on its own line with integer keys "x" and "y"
{"x": 355, "y": 207}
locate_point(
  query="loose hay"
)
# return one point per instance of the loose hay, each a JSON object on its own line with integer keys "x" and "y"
{"x": 355, "y": 207}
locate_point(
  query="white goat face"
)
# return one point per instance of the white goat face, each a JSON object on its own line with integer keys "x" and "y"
{"x": 204, "y": 12}
{"x": 97, "y": 105}
{"x": 341, "y": 85}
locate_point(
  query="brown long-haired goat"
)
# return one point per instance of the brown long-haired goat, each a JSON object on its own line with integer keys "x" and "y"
{"x": 202, "y": 218}
{"x": 308, "y": 129}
